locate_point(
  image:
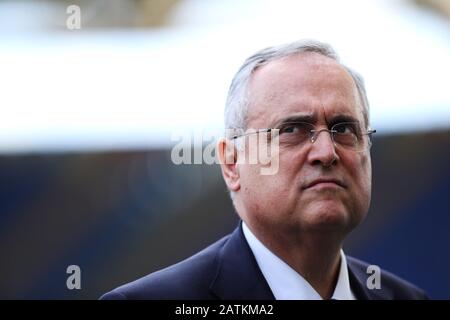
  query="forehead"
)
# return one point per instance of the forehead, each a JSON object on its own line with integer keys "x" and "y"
{"x": 302, "y": 83}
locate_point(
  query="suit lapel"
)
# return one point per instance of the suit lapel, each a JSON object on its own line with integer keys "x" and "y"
{"x": 238, "y": 275}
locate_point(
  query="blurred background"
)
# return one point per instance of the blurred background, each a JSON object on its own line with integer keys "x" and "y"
{"x": 90, "y": 108}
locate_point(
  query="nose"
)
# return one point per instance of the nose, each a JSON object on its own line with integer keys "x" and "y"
{"x": 323, "y": 150}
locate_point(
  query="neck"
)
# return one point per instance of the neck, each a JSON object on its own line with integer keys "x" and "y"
{"x": 314, "y": 256}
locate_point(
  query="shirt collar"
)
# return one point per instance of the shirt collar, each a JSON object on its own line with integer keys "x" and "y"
{"x": 285, "y": 282}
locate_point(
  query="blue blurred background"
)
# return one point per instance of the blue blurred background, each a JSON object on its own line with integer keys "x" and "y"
{"x": 89, "y": 117}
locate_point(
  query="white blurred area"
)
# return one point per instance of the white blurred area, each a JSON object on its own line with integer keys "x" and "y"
{"x": 124, "y": 88}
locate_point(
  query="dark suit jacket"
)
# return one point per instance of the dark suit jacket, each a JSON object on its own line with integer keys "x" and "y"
{"x": 228, "y": 270}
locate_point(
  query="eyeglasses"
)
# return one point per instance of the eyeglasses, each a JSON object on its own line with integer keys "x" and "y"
{"x": 347, "y": 135}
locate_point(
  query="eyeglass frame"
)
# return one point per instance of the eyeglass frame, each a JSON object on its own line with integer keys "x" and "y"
{"x": 314, "y": 133}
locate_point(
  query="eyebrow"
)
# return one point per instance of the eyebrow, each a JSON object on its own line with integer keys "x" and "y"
{"x": 312, "y": 118}
{"x": 341, "y": 118}
{"x": 304, "y": 117}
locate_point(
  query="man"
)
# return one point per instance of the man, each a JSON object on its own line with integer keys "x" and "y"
{"x": 294, "y": 221}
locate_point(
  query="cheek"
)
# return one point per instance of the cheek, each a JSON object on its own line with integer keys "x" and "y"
{"x": 366, "y": 165}
{"x": 258, "y": 187}
{"x": 369, "y": 179}
{"x": 362, "y": 176}
{"x": 267, "y": 190}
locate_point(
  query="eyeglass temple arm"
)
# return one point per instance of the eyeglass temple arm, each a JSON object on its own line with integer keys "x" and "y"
{"x": 248, "y": 133}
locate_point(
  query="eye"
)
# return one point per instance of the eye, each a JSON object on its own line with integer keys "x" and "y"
{"x": 345, "y": 128}
{"x": 295, "y": 128}
{"x": 289, "y": 129}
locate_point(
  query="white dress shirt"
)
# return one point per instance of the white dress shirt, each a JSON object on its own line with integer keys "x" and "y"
{"x": 285, "y": 282}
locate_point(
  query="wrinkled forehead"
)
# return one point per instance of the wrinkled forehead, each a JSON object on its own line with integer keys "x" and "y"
{"x": 302, "y": 83}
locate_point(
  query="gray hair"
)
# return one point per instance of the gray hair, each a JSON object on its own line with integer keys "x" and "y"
{"x": 237, "y": 103}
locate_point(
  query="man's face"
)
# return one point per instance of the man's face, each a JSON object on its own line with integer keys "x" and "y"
{"x": 317, "y": 87}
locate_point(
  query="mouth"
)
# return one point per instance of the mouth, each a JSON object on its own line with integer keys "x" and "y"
{"x": 325, "y": 183}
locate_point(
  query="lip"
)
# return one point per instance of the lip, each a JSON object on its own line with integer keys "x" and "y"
{"x": 325, "y": 183}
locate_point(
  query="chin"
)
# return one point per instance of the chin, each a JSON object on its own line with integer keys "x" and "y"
{"x": 327, "y": 217}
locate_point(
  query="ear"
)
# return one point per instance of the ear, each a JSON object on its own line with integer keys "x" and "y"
{"x": 228, "y": 154}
